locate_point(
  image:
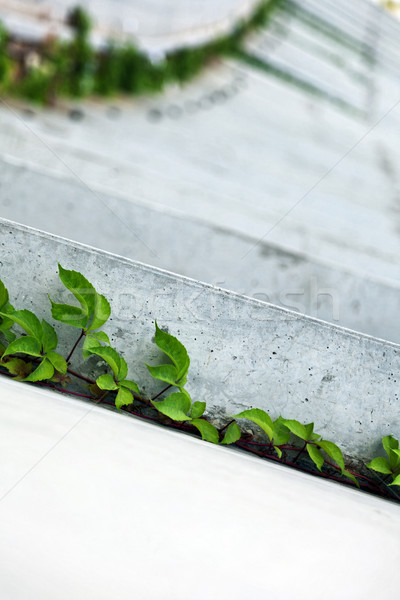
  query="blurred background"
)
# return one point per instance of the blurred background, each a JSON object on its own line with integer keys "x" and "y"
{"x": 253, "y": 146}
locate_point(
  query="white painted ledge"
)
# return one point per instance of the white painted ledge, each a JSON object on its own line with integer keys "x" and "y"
{"x": 98, "y": 505}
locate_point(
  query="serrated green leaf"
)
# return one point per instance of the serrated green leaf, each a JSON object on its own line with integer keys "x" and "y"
{"x": 44, "y": 371}
{"x": 89, "y": 344}
{"x": 167, "y": 373}
{"x": 315, "y": 456}
{"x": 297, "y": 428}
{"x": 333, "y": 451}
{"x": 101, "y": 336}
{"x": 123, "y": 369}
{"x": 58, "y": 362}
{"x": 174, "y": 349}
{"x": 176, "y": 406}
{"x": 80, "y": 287}
{"x": 3, "y": 295}
{"x": 281, "y": 434}
{"x": 24, "y": 345}
{"x": 27, "y": 320}
{"x": 380, "y": 464}
{"x": 123, "y": 398}
{"x": 197, "y": 409}
{"x": 68, "y": 314}
{"x": 131, "y": 385}
{"x": 49, "y": 337}
{"x": 209, "y": 433}
{"x": 111, "y": 357}
{"x": 106, "y": 382}
{"x": 396, "y": 480}
{"x": 102, "y": 312}
{"x": 232, "y": 434}
{"x": 260, "y": 418}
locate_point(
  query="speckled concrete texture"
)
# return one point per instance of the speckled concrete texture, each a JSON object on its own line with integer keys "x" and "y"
{"x": 244, "y": 352}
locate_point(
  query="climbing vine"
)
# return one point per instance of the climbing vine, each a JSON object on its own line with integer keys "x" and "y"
{"x": 28, "y": 351}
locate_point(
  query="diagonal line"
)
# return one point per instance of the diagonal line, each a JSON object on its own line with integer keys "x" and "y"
{"x": 328, "y": 172}
{"x": 77, "y": 176}
{"x": 45, "y": 455}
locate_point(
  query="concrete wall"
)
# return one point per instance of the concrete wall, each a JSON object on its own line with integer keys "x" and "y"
{"x": 199, "y": 250}
{"x": 244, "y": 352}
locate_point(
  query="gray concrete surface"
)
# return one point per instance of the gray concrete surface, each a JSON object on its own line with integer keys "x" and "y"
{"x": 196, "y": 249}
{"x": 98, "y": 505}
{"x": 244, "y": 352}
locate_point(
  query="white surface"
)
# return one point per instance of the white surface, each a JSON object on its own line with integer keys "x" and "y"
{"x": 98, "y": 505}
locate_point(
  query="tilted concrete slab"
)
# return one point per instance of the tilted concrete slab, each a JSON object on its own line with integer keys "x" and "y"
{"x": 244, "y": 352}
{"x": 97, "y": 505}
{"x": 199, "y": 250}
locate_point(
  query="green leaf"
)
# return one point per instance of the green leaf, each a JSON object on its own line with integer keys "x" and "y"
{"x": 18, "y": 367}
{"x": 131, "y": 385}
{"x": 232, "y": 434}
{"x": 209, "y": 433}
{"x": 3, "y": 295}
{"x": 123, "y": 369}
{"x": 176, "y": 406}
{"x": 281, "y": 434}
{"x": 80, "y": 287}
{"x": 89, "y": 344}
{"x": 315, "y": 456}
{"x": 27, "y": 320}
{"x": 49, "y": 337}
{"x": 278, "y": 451}
{"x": 351, "y": 476}
{"x": 260, "y": 418}
{"x": 106, "y": 382}
{"x": 123, "y": 398}
{"x": 101, "y": 336}
{"x": 381, "y": 465}
{"x": 24, "y": 345}
{"x": 174, "y": 349}
{"x": 58, "y": 362}
{"x": 390, "y": 443}
{"x": 102, "y": 312}
{"x": 68, "y": 314}
{"x": 396, "y": 480}
{"x": 167, "y": 373}
{"x": 197, "y": 409}
{"x": 391, "y": 446}
{"x": 297, "y": 428}
{"x": 44, "y": 371}
{"x": 9, "y": 335}
{"x": 333, "y": 451}
{"x": 110, "y": 355}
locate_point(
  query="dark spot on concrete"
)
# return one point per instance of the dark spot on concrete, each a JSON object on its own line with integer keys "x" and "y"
{"x": 154, "y": 115}
{"x": 76, "y": 114}
{"x": 327, "y": 378}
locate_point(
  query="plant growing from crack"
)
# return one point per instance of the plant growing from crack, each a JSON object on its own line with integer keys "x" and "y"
{"x": 32, "y": 357}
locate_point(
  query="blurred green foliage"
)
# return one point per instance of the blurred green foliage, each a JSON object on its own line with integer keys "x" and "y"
{"x": 73, "y": 68}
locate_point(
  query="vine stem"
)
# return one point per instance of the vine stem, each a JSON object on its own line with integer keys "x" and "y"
{"x": 300, "y": 452}
{"x": 75, "y": 345}
{"x": 75, "y": 374}
{"x": 162, "y": 391}
{"x": 225, "y": 426}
